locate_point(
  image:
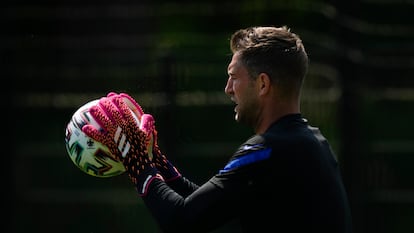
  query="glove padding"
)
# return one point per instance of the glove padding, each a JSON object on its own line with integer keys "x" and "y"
{"x": 128, "y": 134}
{"x": 164, "y": 166}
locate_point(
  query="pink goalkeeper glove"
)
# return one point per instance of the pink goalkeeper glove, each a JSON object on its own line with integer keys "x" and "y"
{"x": 164, "y": 166}
{"x": 128, "y": 134}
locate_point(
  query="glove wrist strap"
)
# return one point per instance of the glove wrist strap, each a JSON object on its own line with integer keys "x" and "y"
{"x": 143, "y": 186}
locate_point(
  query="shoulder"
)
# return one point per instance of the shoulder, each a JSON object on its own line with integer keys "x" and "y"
{"x": 253, "y": 151}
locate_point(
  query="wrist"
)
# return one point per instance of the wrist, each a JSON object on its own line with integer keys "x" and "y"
{"x": 171, "y": 173}
{"x": 143, "y": 187}
{"x": 168, "y": 171}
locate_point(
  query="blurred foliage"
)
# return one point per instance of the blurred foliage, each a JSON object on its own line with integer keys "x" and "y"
{"x": 172, "y": 57}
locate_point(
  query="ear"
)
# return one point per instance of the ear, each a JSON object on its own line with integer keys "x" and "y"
{"x": 264, "y": 83}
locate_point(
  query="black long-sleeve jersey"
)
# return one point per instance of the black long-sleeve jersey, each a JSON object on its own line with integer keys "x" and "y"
{"x": 285, "y": 180}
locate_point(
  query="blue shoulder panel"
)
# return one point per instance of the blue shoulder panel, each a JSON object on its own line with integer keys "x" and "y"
{"x": 249, "y": 158}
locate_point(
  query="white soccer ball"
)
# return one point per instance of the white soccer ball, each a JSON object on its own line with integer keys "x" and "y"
{"x": 89, "y": 155}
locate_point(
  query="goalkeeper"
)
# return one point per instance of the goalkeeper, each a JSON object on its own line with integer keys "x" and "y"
{"x": 285, "y": 178}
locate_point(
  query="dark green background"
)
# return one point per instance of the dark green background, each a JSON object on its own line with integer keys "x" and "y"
{"x": 172, "y": 57}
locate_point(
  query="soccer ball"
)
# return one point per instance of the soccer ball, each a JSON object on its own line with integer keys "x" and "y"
{"x": 89, "y": 155}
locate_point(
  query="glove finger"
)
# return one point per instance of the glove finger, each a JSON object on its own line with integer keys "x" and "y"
{"x": 111, "y": 94}
{"x": 133, "y": 104}
{"x": 130, "y": 102}
{"x": 93, "y": 133}
{"x": 111, "y": 110}
{"x": 101, "y": 137}
{"x": 101, "y": 118}
{"x": 127, "y": 113}
{"x": 147, "y": 124}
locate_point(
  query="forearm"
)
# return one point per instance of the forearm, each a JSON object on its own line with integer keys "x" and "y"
{"x": 183, "y": 186}
{"x": 164, "y": 204}
{"x": 201, "y": 211}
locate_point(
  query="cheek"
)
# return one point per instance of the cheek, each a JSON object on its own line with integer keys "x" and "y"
{"x": 237, "y": 87}
{"x": 243, "y": 89}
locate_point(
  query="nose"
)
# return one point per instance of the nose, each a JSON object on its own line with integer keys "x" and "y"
{"x": 228, "y": 89}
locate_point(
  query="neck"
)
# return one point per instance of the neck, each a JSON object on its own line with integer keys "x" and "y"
{"x": 273, "y": 113}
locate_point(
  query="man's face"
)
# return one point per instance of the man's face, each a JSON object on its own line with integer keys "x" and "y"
{"x": 242, "y": 91}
